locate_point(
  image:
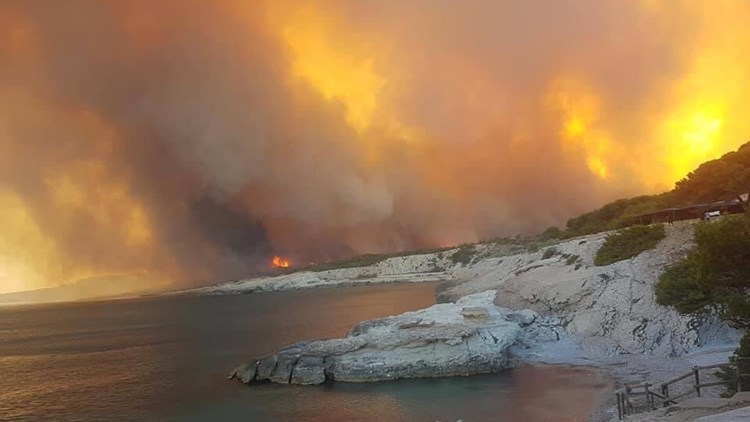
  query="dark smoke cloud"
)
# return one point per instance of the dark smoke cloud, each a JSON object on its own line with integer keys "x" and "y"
{"x": 233, "y": 159}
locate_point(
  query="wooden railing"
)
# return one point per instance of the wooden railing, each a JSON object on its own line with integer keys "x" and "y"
{"x": 653, "y": 398}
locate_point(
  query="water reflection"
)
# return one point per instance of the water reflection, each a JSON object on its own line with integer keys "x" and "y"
{"x": 527, "y": 394}
{"x": 151, "y": 359}
{"x": 166, "y": 360}
{"x": 557, "y": 393}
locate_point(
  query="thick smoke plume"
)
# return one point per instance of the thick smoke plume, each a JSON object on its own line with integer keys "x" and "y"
{"x": 193, "y": 140}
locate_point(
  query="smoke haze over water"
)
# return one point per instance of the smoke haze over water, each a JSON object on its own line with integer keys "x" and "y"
{"x": 193, "y": 140}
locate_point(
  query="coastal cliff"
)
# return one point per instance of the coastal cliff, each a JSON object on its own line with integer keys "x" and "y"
{"x": 503, "y": 305}
{"x": 608, "y": 310}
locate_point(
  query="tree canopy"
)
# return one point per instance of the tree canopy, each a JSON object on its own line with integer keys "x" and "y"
{"x": 716, "y": 180}
{"x": 715, "y": 274}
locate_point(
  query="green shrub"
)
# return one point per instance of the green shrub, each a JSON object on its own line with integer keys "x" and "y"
{"x": 367, "y": 259}
{"x": 533, "y": 247}
{"x": 715, "y": 274}
{"x": 551, "y": 233}
{"x": 730, "y": 374}
{"x": 572, "y": 259}
{"x": 681, "y": 287}
{"x": 464, "y": 254}
{"x": 549, "y": 253}
{"x": 629, "y": 242}
{"x": 355, "y": 261}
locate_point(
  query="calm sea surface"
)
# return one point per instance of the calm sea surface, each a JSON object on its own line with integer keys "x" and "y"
{"x": 166, "y": 359}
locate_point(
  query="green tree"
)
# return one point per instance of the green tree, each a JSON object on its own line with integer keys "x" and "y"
{"x": 715, "y": 180}
{"x": 714, "y": 276}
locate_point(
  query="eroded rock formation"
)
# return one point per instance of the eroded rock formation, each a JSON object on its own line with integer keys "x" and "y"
{"x": 599, "y": 311}
{"x": 470, "y": 336}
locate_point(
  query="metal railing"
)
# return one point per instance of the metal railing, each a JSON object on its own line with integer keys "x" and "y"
{"x": 653, "y": 397}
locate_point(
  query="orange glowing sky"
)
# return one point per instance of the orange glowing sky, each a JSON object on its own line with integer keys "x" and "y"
{"x": 192, "y": 143}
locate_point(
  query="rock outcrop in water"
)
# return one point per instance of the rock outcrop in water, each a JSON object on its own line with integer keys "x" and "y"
{"x": 470, "y": 336}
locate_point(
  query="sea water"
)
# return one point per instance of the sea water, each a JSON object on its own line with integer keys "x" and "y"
{"x": 167, "y": 359}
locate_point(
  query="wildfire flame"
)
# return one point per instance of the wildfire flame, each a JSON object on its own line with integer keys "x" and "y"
{"x": 279, "y": 262}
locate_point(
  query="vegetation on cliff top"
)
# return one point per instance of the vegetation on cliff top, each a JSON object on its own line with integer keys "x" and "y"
{"x": 719, "y": 179}
{"x": 464, "y": 254}
{"x": 368, "y": 259}
{"x": 629, "y": 242}
{"x": 716, "y": 180}
{"x": 715, "y": 276}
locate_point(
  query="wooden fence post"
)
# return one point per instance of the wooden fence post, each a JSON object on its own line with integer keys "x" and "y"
{"x": 628, "y": 406}
{"x": 738, "y": 373}
{"x": 697, "y": 381}
{"x": 665, "y": 393}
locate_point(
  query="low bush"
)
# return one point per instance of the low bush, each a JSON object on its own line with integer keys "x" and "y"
{"x": 730, "y": 374}
{"x": 367, "y": 259}
{"x": 629, "y": 242}
{"x": 572, "y": 259}
{"x": 464, "y": 254}
{"x": 549, "y": 253}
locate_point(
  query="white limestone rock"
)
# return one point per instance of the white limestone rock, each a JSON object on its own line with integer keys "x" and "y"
{"x": 401, "y": 269}
{"x": 607, "y": 310}
{"x": 604, "y": 310}
{"x": 470, "y": 336}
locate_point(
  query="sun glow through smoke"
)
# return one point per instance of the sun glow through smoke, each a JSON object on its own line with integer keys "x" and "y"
{"x": 335, "y": 69}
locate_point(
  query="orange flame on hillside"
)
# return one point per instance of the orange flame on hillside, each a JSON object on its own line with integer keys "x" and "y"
{"x": 279, "y": 262}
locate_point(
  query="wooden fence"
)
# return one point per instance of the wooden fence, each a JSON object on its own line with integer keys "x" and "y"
{"x": 653, "y": 397}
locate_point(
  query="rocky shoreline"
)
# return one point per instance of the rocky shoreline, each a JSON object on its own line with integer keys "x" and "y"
{"x": 470, "y": 336}
{"x": 505, "y": 306}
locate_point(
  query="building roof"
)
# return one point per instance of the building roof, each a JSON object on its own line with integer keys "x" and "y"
{"x": 711, "y": 206}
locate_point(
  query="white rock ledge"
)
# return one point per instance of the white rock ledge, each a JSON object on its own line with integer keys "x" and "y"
{"x": 470, "y": 336}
